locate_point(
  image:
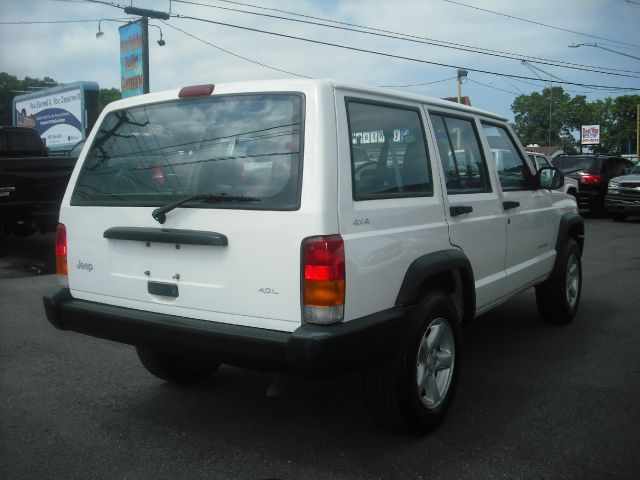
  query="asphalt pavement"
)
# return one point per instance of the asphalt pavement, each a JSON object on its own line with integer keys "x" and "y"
{"x": 535, "y": 401}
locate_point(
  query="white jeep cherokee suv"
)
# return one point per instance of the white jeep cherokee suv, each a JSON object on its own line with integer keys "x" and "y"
{"x": 309, "y": 227}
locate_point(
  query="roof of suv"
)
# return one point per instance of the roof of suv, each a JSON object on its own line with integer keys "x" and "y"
{"x": 298, "y": 84}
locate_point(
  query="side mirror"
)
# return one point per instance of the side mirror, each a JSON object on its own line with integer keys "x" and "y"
{"x": 549, "y": 178}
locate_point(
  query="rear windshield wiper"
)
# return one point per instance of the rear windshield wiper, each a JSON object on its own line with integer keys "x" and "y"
{"x": 160, "y": 213}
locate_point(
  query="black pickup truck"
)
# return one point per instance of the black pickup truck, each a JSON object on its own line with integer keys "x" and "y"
{"x": 32, "y": 183}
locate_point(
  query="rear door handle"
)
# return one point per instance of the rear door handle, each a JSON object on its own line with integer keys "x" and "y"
{"x": 510, "y": 205}
{"x": 460, "y": 210}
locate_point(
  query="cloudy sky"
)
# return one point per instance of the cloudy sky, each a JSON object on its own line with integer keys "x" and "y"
{"x": 204, "y": 52}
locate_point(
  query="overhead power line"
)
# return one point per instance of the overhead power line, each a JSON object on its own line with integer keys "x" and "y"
{"x": 491, "y": 86}
{"x": 86, "y": 20}
{"x": 408, "y": 38}
{"x": 346, "y": 23}
{"x": 418, "y": 84}
{"x": 608, "y": 89}
{"x": 271, "y": 67}
{"x": 234, "y": 54}
{"x": 374, "y": 52}
{"x": 513, "y": 85}
{"x": 493, "y": 12}
{"x": 532, "y": 68}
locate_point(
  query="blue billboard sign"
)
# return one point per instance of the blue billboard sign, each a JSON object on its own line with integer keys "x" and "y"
{"x": 134, "y": 59}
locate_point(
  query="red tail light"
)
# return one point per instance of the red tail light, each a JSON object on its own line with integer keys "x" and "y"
{"x": 61, "y": 250}
{"x": 323, "y": 279}
{"x": 590, "y": 179}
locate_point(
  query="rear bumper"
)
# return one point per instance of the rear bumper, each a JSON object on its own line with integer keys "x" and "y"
{"x": 590, "y": 198}
{"x": 311, "y": 351}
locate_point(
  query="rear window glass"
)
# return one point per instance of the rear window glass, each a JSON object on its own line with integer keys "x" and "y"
{"x": 234, "y": 146}
{"x": 577, "y": 164}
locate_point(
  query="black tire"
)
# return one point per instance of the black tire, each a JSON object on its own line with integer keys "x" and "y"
{"x": 619, "y": 217}
{"x": 559, "y": 297}
{"x": 395, "y": 396}
{"x": 175, "y": 368}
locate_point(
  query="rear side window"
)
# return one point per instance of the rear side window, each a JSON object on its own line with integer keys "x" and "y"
{"x": 235, "y": 146}
{"x": 388, "y": 152}
{"x": 511, "y": 167}
{"x": 464, "y": 167}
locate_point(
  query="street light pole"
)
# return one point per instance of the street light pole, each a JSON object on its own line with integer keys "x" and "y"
{"x": 576, "y": 45}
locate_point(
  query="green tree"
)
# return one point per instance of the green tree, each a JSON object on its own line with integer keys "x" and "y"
{"x": 617, "y": 119}
{"x": 10, "y": 86}
{"x": 549, "y": 117}
{"x": 553, "y": 117}
{"x": 108, "y": 95}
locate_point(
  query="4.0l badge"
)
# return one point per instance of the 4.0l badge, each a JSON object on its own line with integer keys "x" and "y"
{"x": 268, "y": 291}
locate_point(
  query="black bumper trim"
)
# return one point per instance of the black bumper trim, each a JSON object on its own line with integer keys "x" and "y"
{"x": 311, "y": 351}
{"x": 166, "y": 235}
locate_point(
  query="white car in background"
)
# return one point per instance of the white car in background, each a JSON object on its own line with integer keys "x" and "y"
{"x": 540, "y": 160}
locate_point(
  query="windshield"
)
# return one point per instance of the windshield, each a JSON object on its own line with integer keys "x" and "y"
{"x": 241, "y": 145}
{"x": 636, "y": 169}
{"x": 577, "y": 164}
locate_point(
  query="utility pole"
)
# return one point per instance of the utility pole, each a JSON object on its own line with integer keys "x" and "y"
{"x": 638, "y": 130}
{"x": 461, "y": 74}
{"x": 146, "y": 88}
{"x": 550, "y": 106}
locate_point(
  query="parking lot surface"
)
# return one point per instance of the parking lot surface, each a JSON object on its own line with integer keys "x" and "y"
{"x": 535, "y": 401}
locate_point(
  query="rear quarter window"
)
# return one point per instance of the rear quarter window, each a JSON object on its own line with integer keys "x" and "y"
{"x": 388, "y": 151}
